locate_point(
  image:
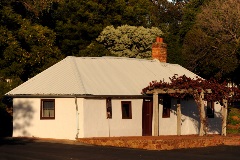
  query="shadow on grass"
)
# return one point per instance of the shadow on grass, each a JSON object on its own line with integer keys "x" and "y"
{"x": 15, "y": 141}
{"x": 6, "y": 126}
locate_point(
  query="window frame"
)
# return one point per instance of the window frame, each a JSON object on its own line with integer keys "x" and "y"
{"x": 109, "y": 108}
{"x": 210, "y": 109}
{"x": 166, "y": 107}
{"x": 41, "y": 109}
{"x": 129, "y": 103}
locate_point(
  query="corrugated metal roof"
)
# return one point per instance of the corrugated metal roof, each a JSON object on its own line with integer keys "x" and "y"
{"x": 99, "y": 76}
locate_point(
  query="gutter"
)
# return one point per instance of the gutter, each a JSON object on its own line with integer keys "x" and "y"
{"x": 77, "y": 118}
{"x": 75, "y": 95}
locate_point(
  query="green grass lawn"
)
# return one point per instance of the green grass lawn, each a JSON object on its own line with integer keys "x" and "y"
{"x": 233, "y": 121}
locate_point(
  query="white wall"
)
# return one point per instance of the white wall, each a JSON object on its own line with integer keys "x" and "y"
{"x": 27, "y": 123}
{"x": 97, "y": 125}
{"x": 215, "y": 124}
{"x": 189, "y": 118}
{"x": 92, "y": 119}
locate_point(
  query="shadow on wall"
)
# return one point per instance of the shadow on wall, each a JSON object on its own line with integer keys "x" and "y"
{"x": 214, "y": 125}
{"x": 191, "y": 111}
{"x": 22, "y": 118}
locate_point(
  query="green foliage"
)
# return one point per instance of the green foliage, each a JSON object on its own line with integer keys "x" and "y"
{"x": 78, "y": 23}
{"x": 174, "y": 47}
{"x": 129, "y": 41}
{"x": 36, "y": 6}
{"x": 38, "y": 42}
{"x": 95, "y": 50}
{"x": 190, "y": 12}
{"x": 5, "y": 86}
{"x": 25, "y": 48}
{"x": 167, "y": 14}
{"x": 183, "y": 19}
{"x": 169, "y": 17}
{"x": 212, "y": 45}
{"x": 233, "y": 120}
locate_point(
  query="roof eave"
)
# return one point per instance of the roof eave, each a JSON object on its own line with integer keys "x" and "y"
{"x": 76, "y": 96}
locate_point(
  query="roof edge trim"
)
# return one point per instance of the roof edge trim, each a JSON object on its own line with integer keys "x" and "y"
{"x": 80, "y": 96}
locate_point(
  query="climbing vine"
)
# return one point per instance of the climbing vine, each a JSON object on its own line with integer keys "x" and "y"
{"x": 213, "y": 90}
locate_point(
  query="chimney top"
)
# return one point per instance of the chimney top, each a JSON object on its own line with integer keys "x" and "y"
{"x": 159, "y": 40}
{"x": 159, "y": 50}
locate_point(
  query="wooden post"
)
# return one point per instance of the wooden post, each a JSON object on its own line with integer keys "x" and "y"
{"x": 202, "y": 115}
{"x": 224, "y": 117}
{"x": 178, "y": 118}
{"x": 155, "y": 114}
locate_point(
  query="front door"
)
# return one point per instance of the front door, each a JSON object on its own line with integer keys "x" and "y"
{"x": 147, "y": 114}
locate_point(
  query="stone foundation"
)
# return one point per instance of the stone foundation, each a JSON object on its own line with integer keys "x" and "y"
{"x": 164, "y": 142}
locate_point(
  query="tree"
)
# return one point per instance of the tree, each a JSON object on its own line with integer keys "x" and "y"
{"x": 95, "y": 50}
{"x": 212, "y": 45}
{"x": 36, "y": 6}
{"x": 129, "y": 41}
{"x": 26, "y": 48}
{"x": 190, "y": 12}
{"x": 167, "y": 12}
{"x": 169, "y": 16}
{"x": 78, "y": 23}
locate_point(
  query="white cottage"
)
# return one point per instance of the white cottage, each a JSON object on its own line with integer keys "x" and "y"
{"x": 101, "y": 97}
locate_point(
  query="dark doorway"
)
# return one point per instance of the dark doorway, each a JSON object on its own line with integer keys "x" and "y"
{"x": 147, "y": 113}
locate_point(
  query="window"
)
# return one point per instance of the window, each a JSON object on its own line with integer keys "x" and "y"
{"x": 109, "y": 108}
{"x": 126, "y": 110}
{"x": 47, "y": 109}
{"x": 166, "y": 107}
{"x": 210, "y": 109}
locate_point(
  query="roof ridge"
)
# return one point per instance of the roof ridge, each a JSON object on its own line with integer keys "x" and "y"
{"x": 77, "y": 74}
{"x": 114, "y": 57}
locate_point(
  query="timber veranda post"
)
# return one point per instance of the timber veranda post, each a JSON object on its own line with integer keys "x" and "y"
{"x": 202, "y": 115}
{"x": 224, "y": 117}
{"x": 155, "y": 114}
{"x": 179, "y": 117}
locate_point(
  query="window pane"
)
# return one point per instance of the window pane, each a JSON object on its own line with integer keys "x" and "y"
{"x": 210, "y": 110}
{"x": 109, "y": 107}
{"x": 166, "y": 107}
{"x": 126, "y": 110}
{"x": 48, "y": 109}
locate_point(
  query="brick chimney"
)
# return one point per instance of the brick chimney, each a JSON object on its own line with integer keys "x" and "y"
{"x": 159, "y": 50}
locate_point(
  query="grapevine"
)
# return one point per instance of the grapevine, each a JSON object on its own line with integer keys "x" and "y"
{"x": 218, "y": 91}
